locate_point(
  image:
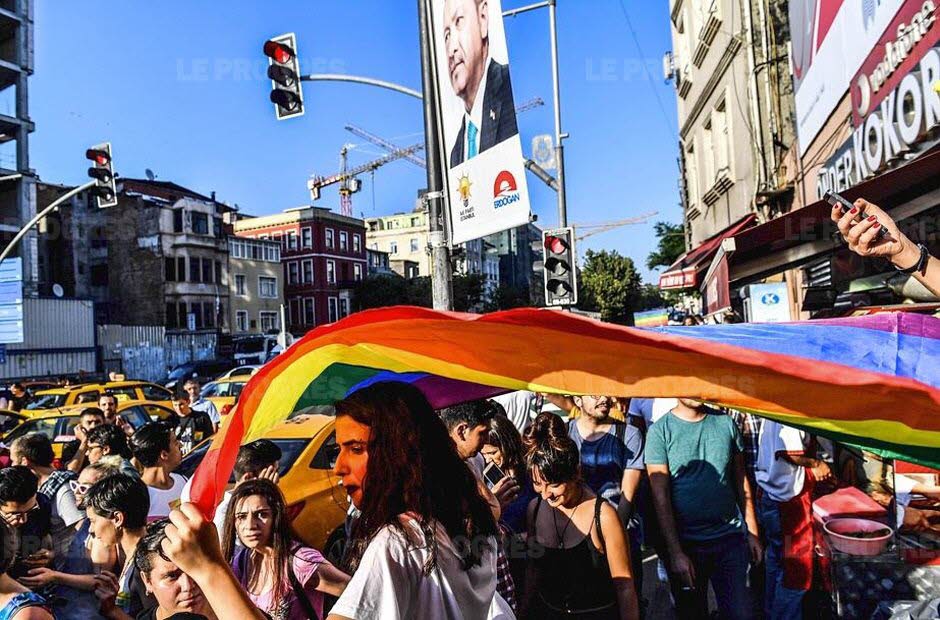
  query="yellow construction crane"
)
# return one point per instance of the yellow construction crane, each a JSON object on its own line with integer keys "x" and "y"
{"x": 583, "y": 231}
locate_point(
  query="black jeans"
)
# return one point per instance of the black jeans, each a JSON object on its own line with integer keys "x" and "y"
{"x": 722, "y": 562}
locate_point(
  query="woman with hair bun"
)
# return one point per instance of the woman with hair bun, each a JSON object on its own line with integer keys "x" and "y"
{"x": 579, "y": 555}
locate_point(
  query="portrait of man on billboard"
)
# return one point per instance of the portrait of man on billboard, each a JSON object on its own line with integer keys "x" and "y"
{"x": 480, "y": 83}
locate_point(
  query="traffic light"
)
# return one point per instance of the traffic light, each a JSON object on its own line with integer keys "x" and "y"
{"x": 284, "y": 71}
{"x": 561, "y": 280}
{"x": 102, "y": 171}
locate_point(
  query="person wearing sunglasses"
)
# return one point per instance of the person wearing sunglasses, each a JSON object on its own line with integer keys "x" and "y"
{"x": 74, "y": 583}
{"x": 28, "y": 514}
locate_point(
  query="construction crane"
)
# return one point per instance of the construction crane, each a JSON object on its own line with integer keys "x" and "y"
{"x": 349, "y": 184}
{"x": 596, "y": 229}
{"x": 415, "y": 159}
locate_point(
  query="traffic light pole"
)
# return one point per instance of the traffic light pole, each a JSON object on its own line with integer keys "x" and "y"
{"x": 42, "y": 214}
{"x": 442, "y": 287}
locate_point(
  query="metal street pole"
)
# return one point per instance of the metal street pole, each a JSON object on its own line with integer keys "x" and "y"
{"x": 42, "y": 214}
{"x": 442, "y": 288}
{"x": 559, "y": 137}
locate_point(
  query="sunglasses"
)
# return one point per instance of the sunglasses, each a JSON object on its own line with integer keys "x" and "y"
{"x": 78, "y": 487}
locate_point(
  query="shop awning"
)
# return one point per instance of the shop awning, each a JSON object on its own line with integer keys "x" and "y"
{"x": 802, "y": 235}
{"x": 689, "y": 268}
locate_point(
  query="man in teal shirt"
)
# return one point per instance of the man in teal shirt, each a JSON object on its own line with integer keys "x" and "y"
{"x": 695, "y": 461}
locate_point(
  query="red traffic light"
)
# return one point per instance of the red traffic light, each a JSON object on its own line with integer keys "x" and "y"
{"x": 278, "y": 52}
{"x": 98, "y": 156}
{"x": 555, "y": 245}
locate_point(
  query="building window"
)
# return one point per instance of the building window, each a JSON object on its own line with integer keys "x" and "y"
{"x": 207, "y": 270}
{"x": 169, "y": 269}
{"x": 333, "y": 304}
{"x": 183, "y": 316}
{"x": 180, "y": 268}
{"x": 178, "y": 220}
{"x": 309, "y": 314}
{"x": 291, "y": 240}
{"x": 414, "y": 245}
{"x": 272, "y": 253}
{"x": 357, "y": 272}
{"x": 393, "y": 247}
{"x": 307, "y": 271}
{"x": 171, "y": 320}
{"x": 329, "y": 238}
{"x": 200, "y": 223}
{"x": 721, "y": 138}
{"x": 331, "y": 272}
{"x": 208, "y": 314}
{"x": 295, "y": 308}
{"x": 279, "y": 238}
{"x": 357, "y": 244}
{"x": 268, "y": 321}
{"x": 708, "y": 146}
{"x": 241, "y": 320}
{"x": 292, "y": 272}
{"x": 218, "y": 273}
{"x": 217, "y": 224}
{"x": 691, "y": 174}
{"x": 195, "y": 274}
{"x": 240, "y": 288}
{"x": 343, "y": 240}
{"x": 306, "y": 236}
{"x": 343, "y": 307}
{"x": 267, "y": 287}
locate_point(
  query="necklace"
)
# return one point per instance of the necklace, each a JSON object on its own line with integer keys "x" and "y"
{"x": 561, "y": 536}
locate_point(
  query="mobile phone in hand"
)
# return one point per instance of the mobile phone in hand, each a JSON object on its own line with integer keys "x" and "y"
{"x": 838, "y": 200}
{"x": 492, "y": 475}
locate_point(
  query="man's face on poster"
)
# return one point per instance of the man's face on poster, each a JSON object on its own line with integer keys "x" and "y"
{"x": 466, "y": 39}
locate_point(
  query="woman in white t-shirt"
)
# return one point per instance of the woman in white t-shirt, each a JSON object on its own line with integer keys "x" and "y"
{"x": 425, "y": 543}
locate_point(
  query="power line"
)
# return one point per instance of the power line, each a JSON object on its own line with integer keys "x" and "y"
{"x": 652, "y": 83}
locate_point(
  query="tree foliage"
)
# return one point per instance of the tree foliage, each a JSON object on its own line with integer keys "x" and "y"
{"x": 671, "y": 239}
{"x": 610, "y": 285}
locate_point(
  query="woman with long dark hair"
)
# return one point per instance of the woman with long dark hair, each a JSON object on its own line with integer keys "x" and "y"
{"x": 582, "y": 569}
{"x": 503, "y": 449}
{"x": 283, "y": 578}
{"x": 425, "y": 543}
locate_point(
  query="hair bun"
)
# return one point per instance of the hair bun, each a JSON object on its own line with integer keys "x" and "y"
{"x": 546, "y": 428}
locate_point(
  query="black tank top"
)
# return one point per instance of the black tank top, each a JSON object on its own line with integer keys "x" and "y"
{"x": 576, "y": 580}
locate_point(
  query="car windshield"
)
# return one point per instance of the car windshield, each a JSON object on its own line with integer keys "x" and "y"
{"x": 241, "y": 371}
{"x": 210, "y": 389}
{"x": 46, "y": 426}
{"x": 290, "y": 450}
{"x": 253, "y": 345}
{"x": 230, "y": 389}
{"x": 47, "y": 401}
{"x": 179, "y": 372}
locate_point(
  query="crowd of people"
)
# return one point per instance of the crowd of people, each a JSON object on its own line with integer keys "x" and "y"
{"x": 524, "y": 505}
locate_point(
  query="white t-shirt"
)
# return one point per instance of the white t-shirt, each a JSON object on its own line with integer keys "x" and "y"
{"x": 519, "y": 407}
{"x": 160, "y": 500}
{"x": 780, "y": 479}
{"x": 389, "y": 582}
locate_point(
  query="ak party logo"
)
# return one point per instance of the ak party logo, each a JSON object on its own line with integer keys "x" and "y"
{"x": 505, "y": 190}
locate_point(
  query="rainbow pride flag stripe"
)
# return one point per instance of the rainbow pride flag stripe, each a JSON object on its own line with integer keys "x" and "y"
{"x": 651, "y": 318}
{"x": 871, "y": 381}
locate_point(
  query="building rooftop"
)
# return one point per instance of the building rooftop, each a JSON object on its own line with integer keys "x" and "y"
{"x": 292, "y": 215}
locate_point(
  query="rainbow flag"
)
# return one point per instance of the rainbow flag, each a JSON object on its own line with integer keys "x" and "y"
{"x": 651, "y": 318}
{"x": 871, "y": 381}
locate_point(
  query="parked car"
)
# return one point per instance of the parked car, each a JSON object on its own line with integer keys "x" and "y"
{"x": 51, "y": 400}
{"x": 9, "y": 420}
{"x": 240, "y": 371}
{"x": 224, "y": 393}
{"x": 201, "y": 370}
{"x": 316, "y": 503}
{"x": 59, "y": 426}
{"x": 253, "y": 349}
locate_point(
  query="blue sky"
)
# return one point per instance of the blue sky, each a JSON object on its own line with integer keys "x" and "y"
{"x": 179, "y": 87}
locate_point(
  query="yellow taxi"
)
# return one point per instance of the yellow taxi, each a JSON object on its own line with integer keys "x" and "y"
{"x": 59, "y": 426}
{"x": 316, "y": 503}
{"x": 48, "y": 401}
{"x": 224, "y": 393}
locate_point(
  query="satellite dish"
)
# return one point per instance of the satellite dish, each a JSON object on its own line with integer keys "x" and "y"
{"x": 150, "y": 175}
{"x": 57, "y": 290}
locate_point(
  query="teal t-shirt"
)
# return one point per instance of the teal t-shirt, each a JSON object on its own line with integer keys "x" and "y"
{"x": 700, "y": 456}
